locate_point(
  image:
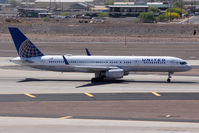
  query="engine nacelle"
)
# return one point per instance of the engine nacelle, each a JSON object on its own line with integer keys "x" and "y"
{"x": 115, "y": 73}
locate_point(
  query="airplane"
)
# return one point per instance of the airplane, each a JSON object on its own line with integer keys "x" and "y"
{"x": 104, "y": 67}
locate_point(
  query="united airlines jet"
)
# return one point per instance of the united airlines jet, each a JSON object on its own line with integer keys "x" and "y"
{"x": 104, "y": 67}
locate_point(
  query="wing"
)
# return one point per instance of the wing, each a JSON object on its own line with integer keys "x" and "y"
{"x": 95, "y": 68}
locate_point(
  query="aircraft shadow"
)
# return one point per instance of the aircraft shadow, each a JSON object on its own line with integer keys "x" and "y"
{"x": 86, "y": 85}
{"x": 105, "y": 82}
{"x": 129, "y": 81}
{"x": 44, "y": 80}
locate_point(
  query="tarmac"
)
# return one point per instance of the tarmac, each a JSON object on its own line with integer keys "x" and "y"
{"x": 26, "y": 80}
{"x": 36, "y": 101}
{"x": 41, "y": 125}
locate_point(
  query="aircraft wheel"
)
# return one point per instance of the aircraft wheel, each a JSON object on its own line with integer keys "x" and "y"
{"x": 93, "y": 80}
{"x": 168, "y": 80}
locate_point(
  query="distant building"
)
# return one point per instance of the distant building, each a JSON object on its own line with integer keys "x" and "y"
{"x": 3, "y": 1}
{"x": 80, "y": 7}
{"x": 28, "y": 4}
{"x": 31, "y": 12}
{"x": 99, "y": 9}
{"x": 161, "y": 5}
{"x": 128, "y": 7}
{"x": 62, "y": 4}
{"x": 134, "y": 8}
{"x": 191, "y": 5}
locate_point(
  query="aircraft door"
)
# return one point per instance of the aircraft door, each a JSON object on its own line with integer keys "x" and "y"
{"x": 42, "y": 61}
{"x": 136, "y": 64}
{"x": 172, "y": 65}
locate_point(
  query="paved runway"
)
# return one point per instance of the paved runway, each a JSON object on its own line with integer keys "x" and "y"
{"x": 175, "y": 107}
{"x": 98, "y": 97}
{"x": 136, "y": 97}
{"x": 139, "y": 96}
{"x": 19, "y": 81}
{"x": 41, "y": 125}
{"x": 69, "y": 102}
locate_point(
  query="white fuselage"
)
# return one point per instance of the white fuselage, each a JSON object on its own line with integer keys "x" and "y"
{"x": 84, "y": 63}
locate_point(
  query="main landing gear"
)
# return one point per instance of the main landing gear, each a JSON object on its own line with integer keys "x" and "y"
{"x": 169, "y": 77}
{"x": 98, "y": 77}
{"x": 94, "y": 80}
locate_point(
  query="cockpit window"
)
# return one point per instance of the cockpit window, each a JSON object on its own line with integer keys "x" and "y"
{"x": 183, "y": 63}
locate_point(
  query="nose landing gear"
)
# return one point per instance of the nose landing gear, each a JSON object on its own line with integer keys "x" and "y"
{"x": 169, "y": 77}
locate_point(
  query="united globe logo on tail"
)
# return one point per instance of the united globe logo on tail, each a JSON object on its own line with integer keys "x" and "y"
{"x": 27, "y": 49}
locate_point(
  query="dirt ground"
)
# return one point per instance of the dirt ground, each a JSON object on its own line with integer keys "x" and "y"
{"x": 108, "y": 28}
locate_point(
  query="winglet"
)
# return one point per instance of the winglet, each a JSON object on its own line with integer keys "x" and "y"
{"x": 87, "y": 51}
{"x": 65, "y": 60}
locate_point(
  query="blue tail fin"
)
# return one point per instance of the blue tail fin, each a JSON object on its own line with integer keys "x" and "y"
{"x": 25, "y": 48}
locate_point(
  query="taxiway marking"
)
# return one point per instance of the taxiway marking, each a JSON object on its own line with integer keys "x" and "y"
{"x": 88, "y": 94}
{"x": 156, "y": 94}
{"x": 66, "y": 117}
{"x": 29, "y": 95}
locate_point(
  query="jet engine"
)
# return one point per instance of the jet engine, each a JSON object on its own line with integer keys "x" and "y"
{"x": 115, "y": 73}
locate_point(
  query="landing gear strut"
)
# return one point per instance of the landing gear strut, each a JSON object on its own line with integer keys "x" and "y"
{"x": 169, "y": 77}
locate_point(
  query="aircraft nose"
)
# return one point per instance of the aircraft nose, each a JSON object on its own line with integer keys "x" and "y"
{"x": 188, "y": 67}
